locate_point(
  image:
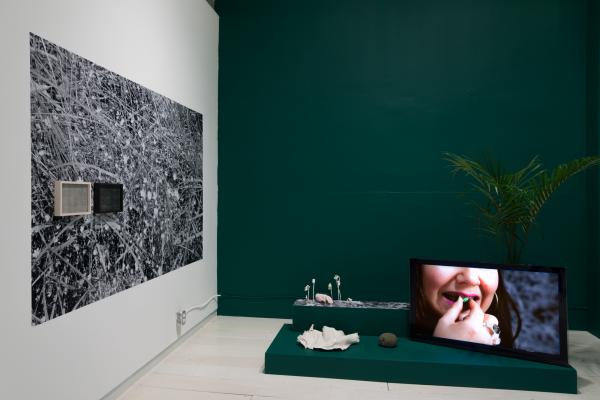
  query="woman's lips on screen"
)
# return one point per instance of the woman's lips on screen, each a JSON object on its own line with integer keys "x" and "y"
{"x": 452, "y": 297}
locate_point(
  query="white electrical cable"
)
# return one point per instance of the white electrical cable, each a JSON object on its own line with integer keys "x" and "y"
{"x": 182, "y": 315}
{"x": 201, "y": 306}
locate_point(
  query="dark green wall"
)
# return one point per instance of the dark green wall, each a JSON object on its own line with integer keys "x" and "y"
{"x": 332, "y": 118}
{"x": 593, "y": 177}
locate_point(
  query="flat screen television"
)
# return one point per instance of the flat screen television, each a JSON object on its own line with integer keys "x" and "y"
{"x": 108, "y": 198}
{"x": 517, "y": 311}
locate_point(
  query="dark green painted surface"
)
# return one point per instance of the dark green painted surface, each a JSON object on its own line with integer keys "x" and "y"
{"x": 593, "y": 137}
{"x": 414, "y": 362}
{"x": 332, "y": 118}
{"x": 365, "y": 321}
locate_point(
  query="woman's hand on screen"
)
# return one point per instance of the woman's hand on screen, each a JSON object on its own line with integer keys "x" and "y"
{"x": 466, "y": 326}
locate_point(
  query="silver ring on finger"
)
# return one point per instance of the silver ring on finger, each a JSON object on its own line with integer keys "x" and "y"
{"x": 494, "y": 331}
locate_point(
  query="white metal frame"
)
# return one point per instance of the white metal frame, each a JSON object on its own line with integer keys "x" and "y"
{"x": 58, "y": 196}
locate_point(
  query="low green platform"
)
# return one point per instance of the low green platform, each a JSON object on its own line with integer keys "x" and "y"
{"x": 368, "y": 320}
{"x": 416, "y": 363}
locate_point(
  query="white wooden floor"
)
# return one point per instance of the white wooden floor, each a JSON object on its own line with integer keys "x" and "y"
{"x": 224, "y": 360}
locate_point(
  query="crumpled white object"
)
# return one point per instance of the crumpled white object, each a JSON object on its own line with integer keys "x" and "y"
{"x": 329, "y": 339}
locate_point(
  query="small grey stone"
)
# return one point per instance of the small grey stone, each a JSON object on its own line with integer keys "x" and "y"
{"x": 388, "y": 340}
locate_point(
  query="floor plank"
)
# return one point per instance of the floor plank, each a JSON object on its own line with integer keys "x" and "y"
{"x": 225, "y": 358}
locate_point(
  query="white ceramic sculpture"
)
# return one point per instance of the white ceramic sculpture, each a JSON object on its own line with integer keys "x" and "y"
{"x": 323, "y": 298}
{"x": 329, "y": 339}
{"x": 338, "y": 282}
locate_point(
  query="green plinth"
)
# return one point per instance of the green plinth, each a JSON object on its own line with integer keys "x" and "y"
{"x": 415, "y": 363}
{"x": 374, "y": 318}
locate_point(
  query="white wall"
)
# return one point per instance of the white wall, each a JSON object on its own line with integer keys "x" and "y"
{"x": 169, "y": 46}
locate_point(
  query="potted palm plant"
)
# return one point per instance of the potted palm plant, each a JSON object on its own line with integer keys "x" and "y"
{"x": 511, "y": 201}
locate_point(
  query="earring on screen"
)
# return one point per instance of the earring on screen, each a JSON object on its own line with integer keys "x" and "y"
{"x": 496, "y": 297}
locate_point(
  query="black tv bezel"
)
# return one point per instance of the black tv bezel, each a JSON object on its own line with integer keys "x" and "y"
{"x": 97, "y": 198}
{"x": 559, "y": 359}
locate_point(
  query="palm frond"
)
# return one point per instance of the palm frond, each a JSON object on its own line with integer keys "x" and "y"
{"x": 545, "y": 184}
{"x": 512, "y": 201}
{"x": 469, "y": 167}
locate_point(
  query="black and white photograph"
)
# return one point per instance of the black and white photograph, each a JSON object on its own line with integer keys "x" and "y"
{"x": 89, "y": 124}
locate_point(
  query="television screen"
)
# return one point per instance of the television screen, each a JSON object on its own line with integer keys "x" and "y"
{"x": 108, "y": 198}
{"x": 517, "y": 311}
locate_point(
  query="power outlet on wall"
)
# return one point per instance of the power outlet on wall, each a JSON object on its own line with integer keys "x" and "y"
{"x": 181, "y": 317}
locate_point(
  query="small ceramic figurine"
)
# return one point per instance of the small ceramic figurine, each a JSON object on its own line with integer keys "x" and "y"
{"x": 307, "y": 290}
{"x": 330, "y": 289}
{"x": 313, "y": 287}
{"x": 338, "y": 282}
{"x": 323, "y": 298}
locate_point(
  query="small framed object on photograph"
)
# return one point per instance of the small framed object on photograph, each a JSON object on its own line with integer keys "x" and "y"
{"x": 72, "y": 198}
{"x": 108, "y": 198}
